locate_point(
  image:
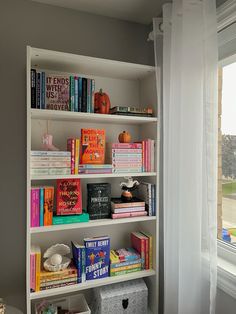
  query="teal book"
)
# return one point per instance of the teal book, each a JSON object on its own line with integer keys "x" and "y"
{"x": 41, "y": 206}
{"x": 72, "y": 93}
{"x": 70, "y": 219}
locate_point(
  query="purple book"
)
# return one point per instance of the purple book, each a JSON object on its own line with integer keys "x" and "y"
{"x": 35, "y": 207}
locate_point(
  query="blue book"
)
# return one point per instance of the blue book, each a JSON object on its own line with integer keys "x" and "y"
{"x": 41, "y": 207}
{"x": 79, "y": 94}
{"x": 92, "y": 95}
{"x": 89, "y": 95}
{"x": 76, "y": 101}
{"x": 97, "y": 251}
{"x": 79, "y": 259}
{"x": 42, "y": 90}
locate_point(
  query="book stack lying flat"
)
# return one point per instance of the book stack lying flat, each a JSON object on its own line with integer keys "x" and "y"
{"x": 125, "y": 157}
{"x": 132, "y": 111}
{"x": 56, "y": 279}
{"x": 134, "y": 208}
{"x": 50, "y": 162}
{"x": 124, "y": 261}
{"x": 95, "y": 169}
{"x": 142, "y": 243}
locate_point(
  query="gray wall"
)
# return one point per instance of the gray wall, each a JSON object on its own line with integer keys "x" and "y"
{"x": 24, "y": 23}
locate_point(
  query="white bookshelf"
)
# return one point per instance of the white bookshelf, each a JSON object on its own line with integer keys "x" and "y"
{"x": 126, "y": 84}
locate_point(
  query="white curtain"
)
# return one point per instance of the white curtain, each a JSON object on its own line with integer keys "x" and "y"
{"x": 190, "y": 126}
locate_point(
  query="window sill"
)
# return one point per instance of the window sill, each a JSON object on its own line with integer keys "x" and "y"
{"x": 227, "y": 268}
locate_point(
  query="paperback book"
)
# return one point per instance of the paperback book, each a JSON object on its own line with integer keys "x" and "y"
{"x": 92, "y": 146}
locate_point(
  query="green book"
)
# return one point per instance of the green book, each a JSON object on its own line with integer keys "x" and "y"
{"x": 72, "y": 93}
{"x": 124, "y": 272}
{"x": 70, "y": 219}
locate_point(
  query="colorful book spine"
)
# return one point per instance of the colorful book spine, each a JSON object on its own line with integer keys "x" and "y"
{"x": 95, "y": 171}
{"x": 34, "y": 207}
{"x": 92, "y": 94}
{"x": 89, "y": 95}
{"x": 72, "y": 93}
{"x": 74, "y": 282}
{"x": 80, "y": 90}
{"x": 76, "y": 94}
{"x": 124, "y": 264}
{"x": 56, "y": 282}
{"x": 50, "y": 164}
{"x": 44, "y": 153}
{"x": 124, "y": 272}
{"x": 138, "y": 243}
{"x": 38, "y": 91}
{"x": 127, "y": 170}
{"x": 126, "y": 215}
{"x": 48, "y": 205}
{"x": 71, "y": 148}
{"x": 33, "y": 88}
{"x": 152, "y": 155}
{"x": 43, "y": 84}
{"x": 38, "y": 270}
{"x": 70, "y": 219}
{"x": 77, "y": 155}
{"x": 50, "y": 171}
{"x": 49, "y": 159}
{"x": 126, "y": 145}
{"x": 128, "y": 209}
{"x": 150, "y": 248}
{"x": 84, "y": 95}
{"x": 129, "y": 151}
{"x": 32, "y": 272}
{"x": 118, "y": 269}
{"x": 41, "y": 212}
{"x": 115, "y": 204}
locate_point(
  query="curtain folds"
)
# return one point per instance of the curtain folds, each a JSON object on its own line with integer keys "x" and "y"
{"x": 190, "y": 134}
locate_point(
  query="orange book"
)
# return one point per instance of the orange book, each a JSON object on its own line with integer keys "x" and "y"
{"x": 92, "y": 146}
{"x": 48, "y": 205}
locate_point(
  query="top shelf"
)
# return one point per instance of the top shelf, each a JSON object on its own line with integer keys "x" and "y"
{"x": 90, "y": 117}
{"x": 67, "y": 62}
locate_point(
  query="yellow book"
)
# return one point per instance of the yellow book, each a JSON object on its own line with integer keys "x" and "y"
{"x": 77, "y": 146}
{"x": 37, "y": 251}
{"x": 114, "y": 258}
{"x": 150, "y": 247}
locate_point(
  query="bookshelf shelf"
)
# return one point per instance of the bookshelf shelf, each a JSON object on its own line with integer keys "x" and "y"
{"x": 57, "y": 115}
{"x": 91, "y": 224}
{"x": 126, "y": 84}
{"x": 92, "y": 284}
{"x": 92, "y": 176}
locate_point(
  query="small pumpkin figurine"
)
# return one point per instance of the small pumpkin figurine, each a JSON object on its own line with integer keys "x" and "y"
{"x": 102, "y": 102}
{"x": 124, "y": 137}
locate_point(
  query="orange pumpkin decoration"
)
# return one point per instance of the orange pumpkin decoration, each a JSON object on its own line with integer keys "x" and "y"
{"x": 124, "y": 137}
{"x": 101, "y": 102}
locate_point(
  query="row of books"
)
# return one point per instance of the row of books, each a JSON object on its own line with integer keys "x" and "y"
{"x": 50, "y": 162}
{"x": 147, "y": 192}
{"x": 93, "y": 260}
{"x": 62, "y": 92}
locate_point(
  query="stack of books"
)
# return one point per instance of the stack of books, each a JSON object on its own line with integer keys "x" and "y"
{"x": 142, "y": 242}
{"x": 56, "y": 279}
{"x": 73, "y": 146}
{"x": 121, "y": 209}
{"x": 62, "y": 92}
{"x": 147, "y": 192}
{"x": 125, "y": 157}
{"x": 132, "y": 111}
{"x": 50, "y": 162}
{"x": 124, "y": 261}
{"x": 95, "y": 169}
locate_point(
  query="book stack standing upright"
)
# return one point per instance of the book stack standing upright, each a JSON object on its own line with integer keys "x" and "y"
{"x": 50, "y": 162}
{"x": 147, "y": 192}
{"x": 142, "y": 242}
{"x": 125, "y": 157}
{"x": 134, "y": 208}
{"x": 73, "y": 146}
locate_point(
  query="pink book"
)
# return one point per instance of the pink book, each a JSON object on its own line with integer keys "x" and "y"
{"x": 149, "y": 154}
{"x": 127, "y": 145}
{"x": 127, "y": 151}
{"x": 32, "y": 272}
{"x": 127, "y": 164}
{"x": 126, "y": 215}
{"x": 35, "y": 207}
{"x": 71, "y": 148}
{"x": 128, "y": 209}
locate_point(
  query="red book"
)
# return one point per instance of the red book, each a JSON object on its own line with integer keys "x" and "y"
{"x": 138, "y": 243}
{"x": 69, "y": 197}
{"x": 71, "y": 148}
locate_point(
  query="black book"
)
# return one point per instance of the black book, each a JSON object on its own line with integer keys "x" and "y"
{"x": 33, "y": 88}
{"x": 99, "y": 200}
{"x": 84, "y": 95}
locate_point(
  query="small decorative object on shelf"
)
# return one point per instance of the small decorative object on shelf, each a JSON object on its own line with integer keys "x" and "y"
{"x": 127, "y": 188}
{"x": 124, "y": 137}
{"x": 56, "y": 259}
{"x": 47, "y": 143}
{"x": 102, "y": 102}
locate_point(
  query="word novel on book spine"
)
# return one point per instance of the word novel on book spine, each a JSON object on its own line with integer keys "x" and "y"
{"x": 69, "y": 197}
{"x": 99, "y": 200}
{"x": 93, "y": 146}
{"x": 57, "y": 92}
{"x": 97, "y": 257}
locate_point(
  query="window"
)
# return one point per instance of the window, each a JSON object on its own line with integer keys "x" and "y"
{"x": 227, "y": 154}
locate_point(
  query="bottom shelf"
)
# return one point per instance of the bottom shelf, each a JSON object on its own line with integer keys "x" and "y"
{"x": 91, "y": 284}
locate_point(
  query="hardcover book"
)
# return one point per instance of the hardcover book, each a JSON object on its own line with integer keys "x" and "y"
{"x": 99, "y": 200}
{"x": 69, "y": 198}
{"x": 79, "y": 258}
{"x": 92, "y": 146}
{"x": 57, "y": 92}
{"x": 97, "y": 257}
